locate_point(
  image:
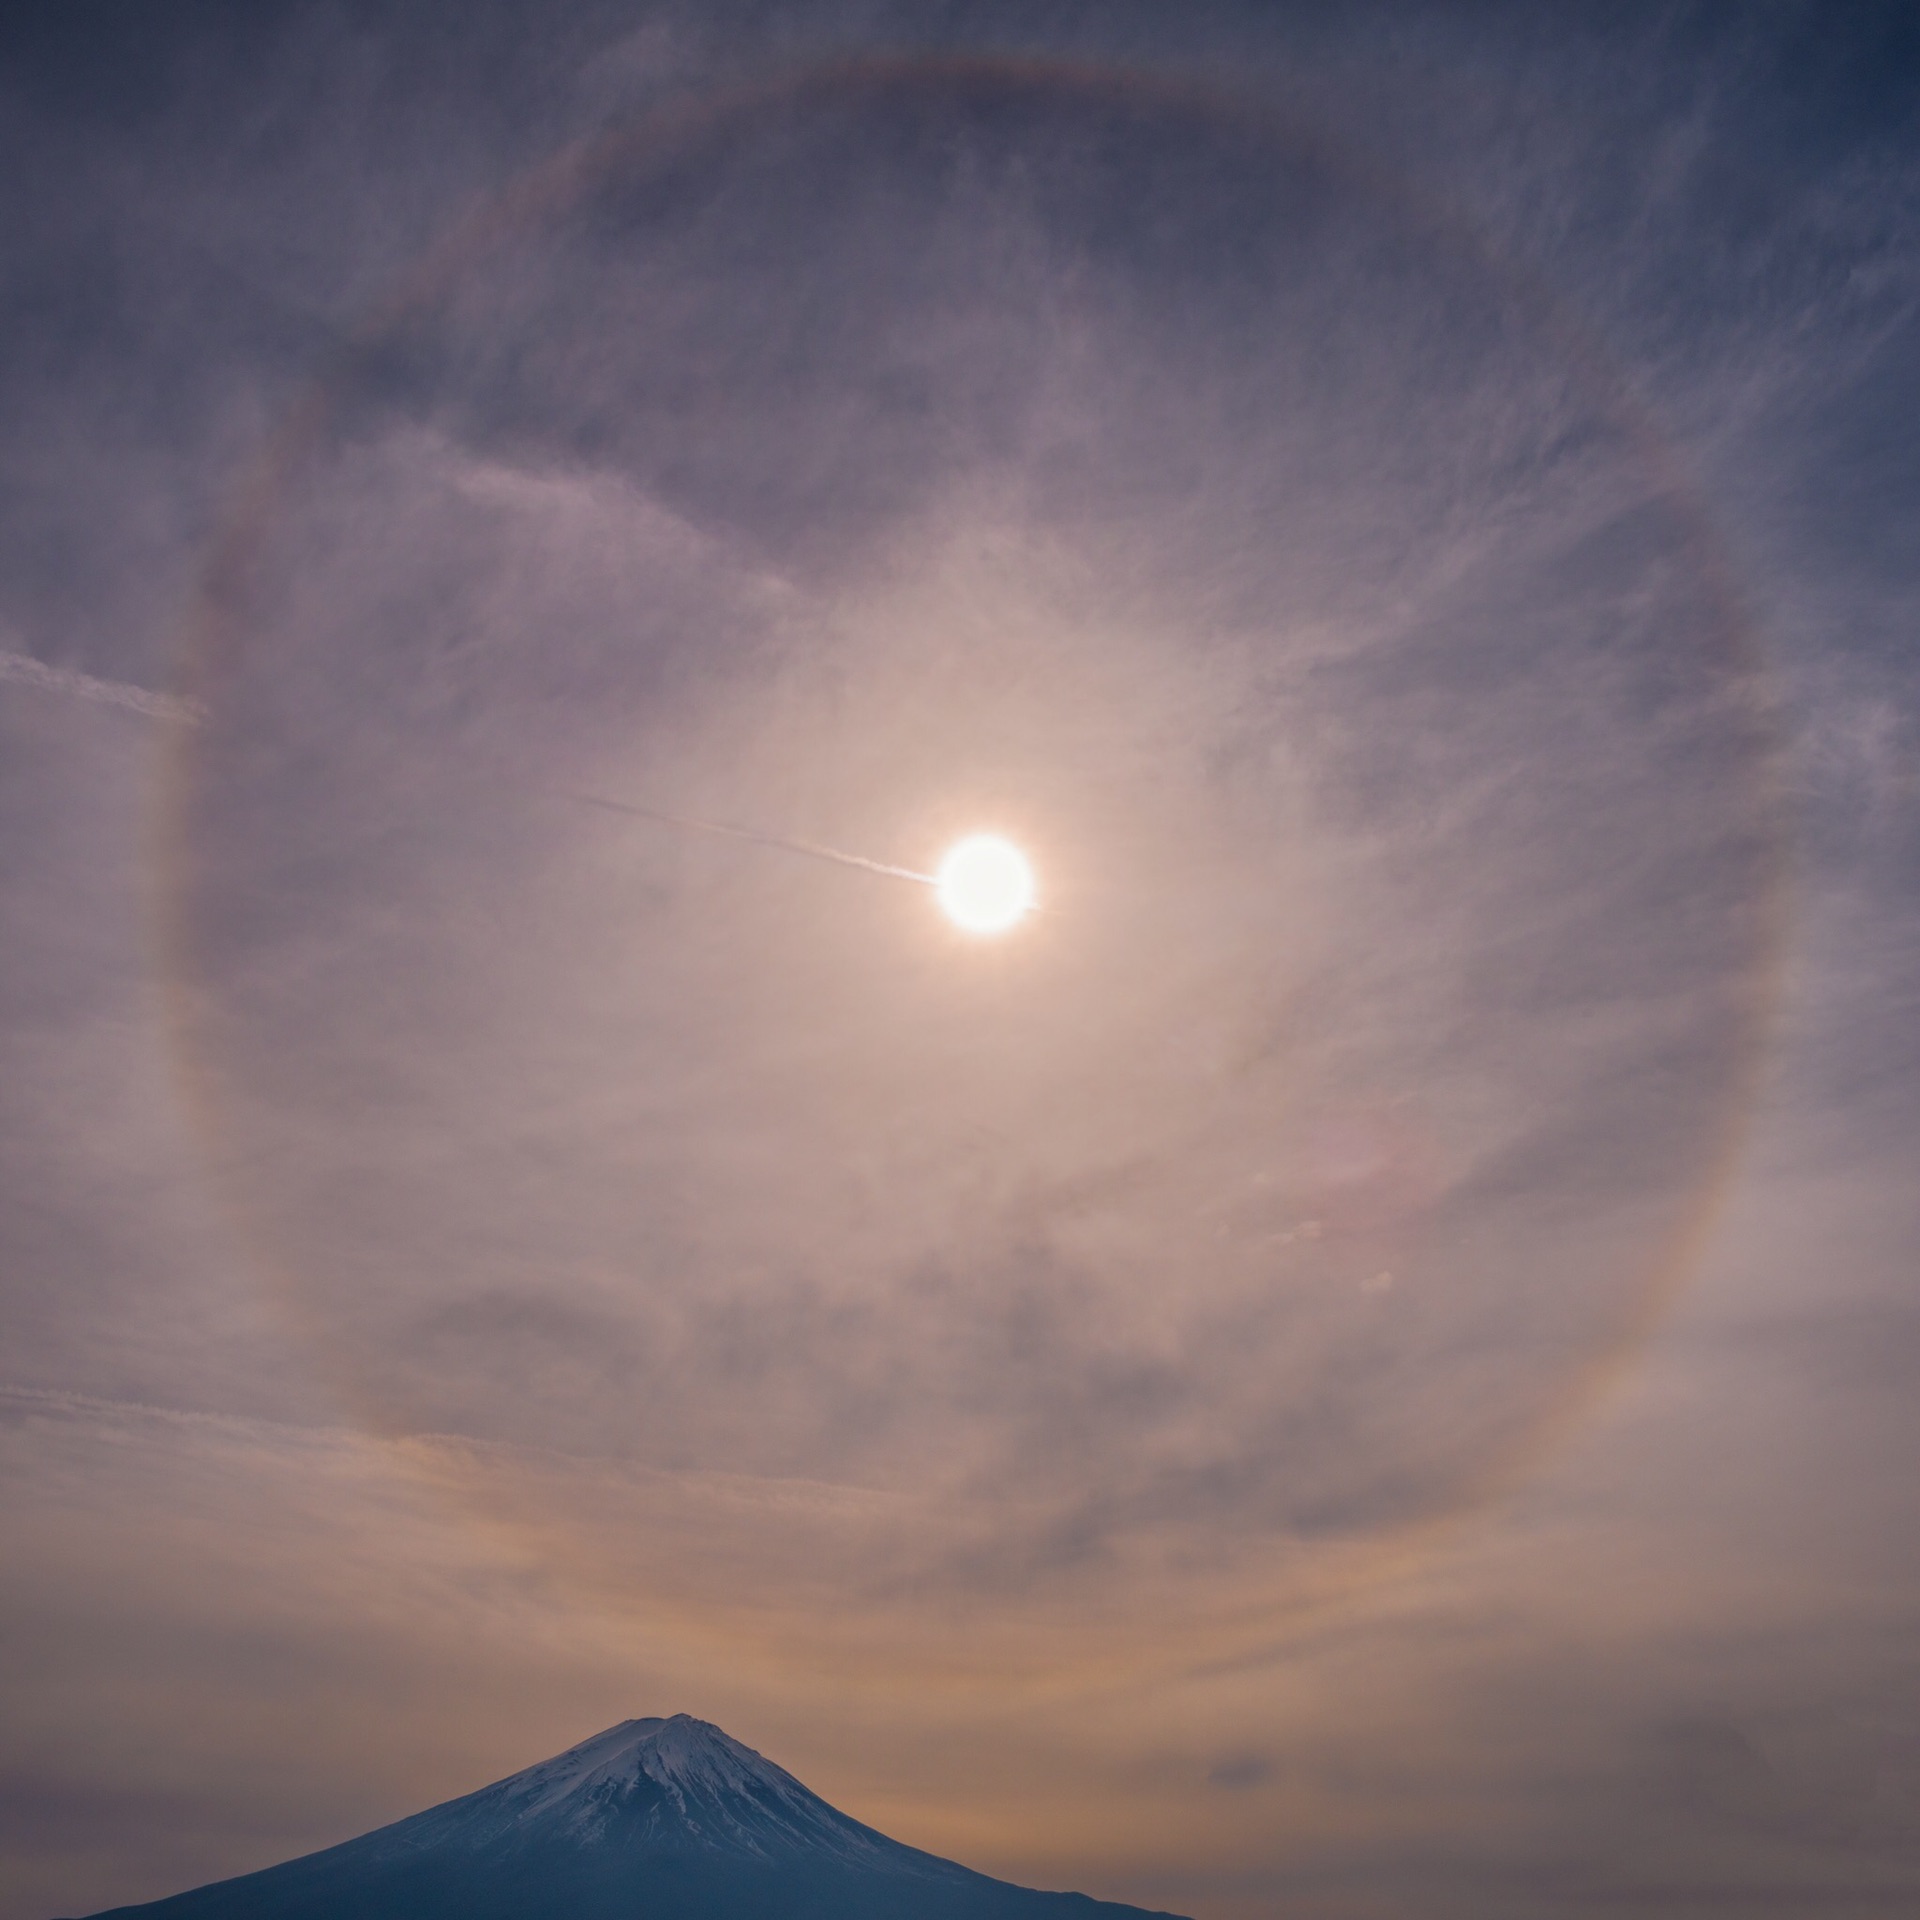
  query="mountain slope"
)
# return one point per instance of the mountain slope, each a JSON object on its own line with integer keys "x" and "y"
{"x": 651, "y": 1820}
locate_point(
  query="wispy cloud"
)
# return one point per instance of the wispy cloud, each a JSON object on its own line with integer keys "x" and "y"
{"x": 22, "y": 669}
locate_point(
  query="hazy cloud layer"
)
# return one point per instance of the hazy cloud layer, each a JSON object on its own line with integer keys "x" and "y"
{"x": 1398, "y": 782}
{"x": 1402, "y": 517}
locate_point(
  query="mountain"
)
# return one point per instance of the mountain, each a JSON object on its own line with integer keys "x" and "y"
{"x": 651, "y": 1820}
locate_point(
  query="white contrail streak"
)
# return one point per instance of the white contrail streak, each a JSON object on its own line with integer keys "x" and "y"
{"x": 760, "y": 839}
{"x": 25, "y": 670}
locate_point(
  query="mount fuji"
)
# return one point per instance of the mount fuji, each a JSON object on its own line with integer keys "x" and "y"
{"x": 651, "y": 1820}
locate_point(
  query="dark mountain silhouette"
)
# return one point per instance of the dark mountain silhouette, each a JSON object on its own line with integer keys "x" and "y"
{"x": 651, "y": 1820}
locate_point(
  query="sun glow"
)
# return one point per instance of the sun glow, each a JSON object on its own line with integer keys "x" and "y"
{"x": 984, "y": 885}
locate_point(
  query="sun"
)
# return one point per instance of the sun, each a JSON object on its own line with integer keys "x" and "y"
{"x": 985, "y": 884}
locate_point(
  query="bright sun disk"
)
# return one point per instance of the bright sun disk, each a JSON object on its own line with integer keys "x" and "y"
{"x": 984, "y": 884}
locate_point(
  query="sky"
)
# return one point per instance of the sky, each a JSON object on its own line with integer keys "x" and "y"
{"x": 1358, "y": 1362}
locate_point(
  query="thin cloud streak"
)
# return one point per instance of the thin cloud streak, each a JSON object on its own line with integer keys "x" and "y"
{"x": 22, "y": 669}
{"x": 759, "y": 838}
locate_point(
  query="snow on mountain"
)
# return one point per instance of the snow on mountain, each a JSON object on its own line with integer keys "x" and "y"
{"x": 677, "y": 1781}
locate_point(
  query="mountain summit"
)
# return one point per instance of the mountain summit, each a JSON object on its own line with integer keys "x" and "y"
{"x": 651, "y": 1820}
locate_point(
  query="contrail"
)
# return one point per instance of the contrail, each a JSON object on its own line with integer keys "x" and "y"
{"x": 29, "y": 672}
{"x": 760, "y": 839}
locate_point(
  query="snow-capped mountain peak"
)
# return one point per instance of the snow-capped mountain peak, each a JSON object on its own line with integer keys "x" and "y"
{"x": 671, "y": 1818}
{"x": 676, "y": 1784}
{"x": 680, "y": 1753}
